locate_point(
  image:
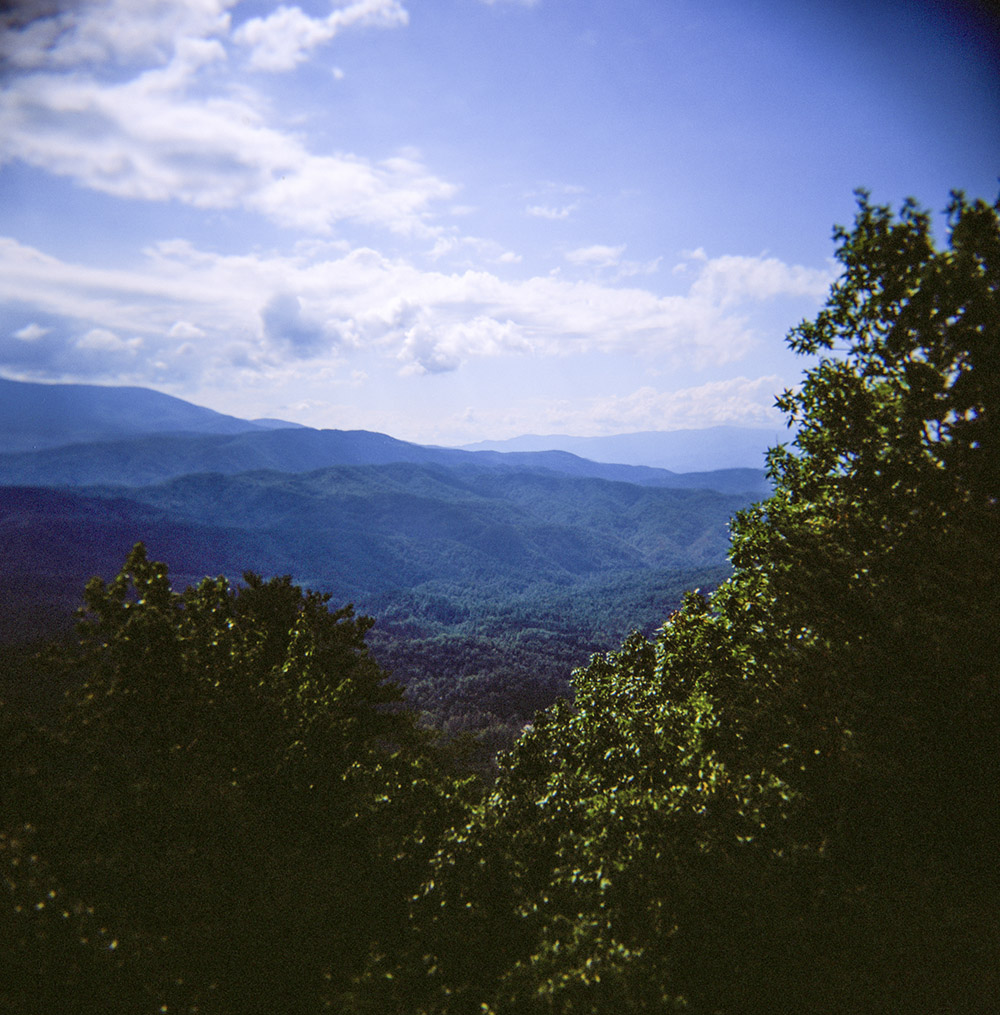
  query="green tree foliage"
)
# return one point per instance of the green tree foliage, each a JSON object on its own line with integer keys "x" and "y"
{"x": 230, "y": 811}
{"x": 881, "y": 546}
{"x": 786, "y": 800}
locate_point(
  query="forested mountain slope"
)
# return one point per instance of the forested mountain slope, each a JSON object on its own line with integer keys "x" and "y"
{"x": 359, "y": 531}
{"x": 450, "y": 549}
{"x": 487, "y": 583}
{"x": 34, "y": 416}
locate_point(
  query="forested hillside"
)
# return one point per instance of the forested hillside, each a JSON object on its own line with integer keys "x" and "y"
{"x": 490, "y": 583}
{"x": 782, "y": 800}
{"x": 446, "y": 547}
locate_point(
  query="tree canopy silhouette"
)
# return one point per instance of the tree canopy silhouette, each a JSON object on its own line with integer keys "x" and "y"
{"x": 230, "y": 811}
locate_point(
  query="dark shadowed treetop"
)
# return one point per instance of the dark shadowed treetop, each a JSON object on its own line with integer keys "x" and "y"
{"x": 785, "y": 800}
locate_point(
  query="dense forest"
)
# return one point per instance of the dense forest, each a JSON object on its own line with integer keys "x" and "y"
{"x": 490, "y": 580}
{"x": 781, "y": 798}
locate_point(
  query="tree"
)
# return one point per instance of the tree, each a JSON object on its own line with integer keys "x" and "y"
{"x": 230, "y": 812}
{"x": 882, "y": 543}
{"x": 786, "y": 800}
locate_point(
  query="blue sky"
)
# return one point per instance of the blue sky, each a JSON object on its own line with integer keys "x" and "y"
{"x": 451, "y": 220}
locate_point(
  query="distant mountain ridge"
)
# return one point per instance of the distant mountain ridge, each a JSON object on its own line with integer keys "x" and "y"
{"x": 159, "y": 457}
{"x": 701, "y": 450}
{"x": 36, "y": 416}
{"x": 78, "y": 434}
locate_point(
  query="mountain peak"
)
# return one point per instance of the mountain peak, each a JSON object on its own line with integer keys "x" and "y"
{"x": 35, "y": 416}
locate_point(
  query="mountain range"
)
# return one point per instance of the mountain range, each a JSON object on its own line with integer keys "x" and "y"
{"x": 478, "y": 564}
{"x": 36, "y": 417}
{"x": 74, "y": 435}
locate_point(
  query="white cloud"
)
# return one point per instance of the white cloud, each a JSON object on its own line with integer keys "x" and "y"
{"x": 180, "y": 128}
{"x": 286, "y": 36}
{"x": 185, "y": 330}
{"x": 102, "y": 340}
{"x": 427, "y": 348}
{"x": 134, "y": 141}
{"x": 313, "y": 192}
{"x": 740, "y": 401}
{"x": 260, "y": 310}
{"x": 609, "y": 262}
{"x": 287, "y": 325}
{"x": 730, "y": 279}
{"x": 116, "y": 32}
{"x": 282, "y": 39}
{"x": 546, "y": 211}
{"x": 467, "y": 251}
{"x": 598, "y": 255}
{"x": 601, "y": 258}
{"x": 31, "y": 332}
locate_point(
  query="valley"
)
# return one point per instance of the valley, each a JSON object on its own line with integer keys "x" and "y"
{"x": 491, "y": 575}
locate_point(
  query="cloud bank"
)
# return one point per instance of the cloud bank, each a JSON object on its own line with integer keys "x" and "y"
{"x": 308, "y": 305}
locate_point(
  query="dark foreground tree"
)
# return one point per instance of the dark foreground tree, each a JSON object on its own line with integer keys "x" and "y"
{"x": 232, "y": 809}
{"x": 787, "y": 801}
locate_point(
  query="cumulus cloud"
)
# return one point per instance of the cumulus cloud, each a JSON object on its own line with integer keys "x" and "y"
{"x": 138, "y": 101}
{"x": 258, "y": 310}
{"x": 423, "y": 354}
{"x": 286, "y": 36}
{"x": 285, "y": 325}
{"x": 430, "y": 349}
